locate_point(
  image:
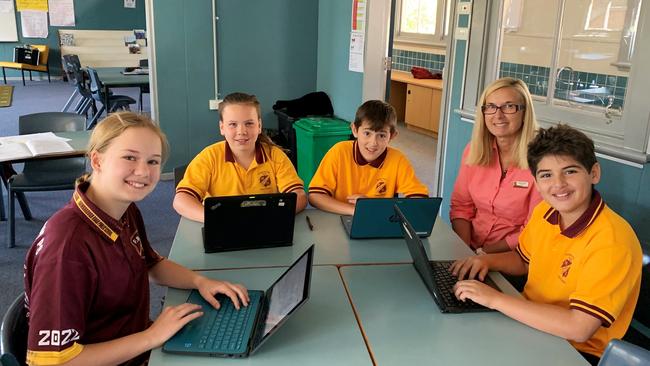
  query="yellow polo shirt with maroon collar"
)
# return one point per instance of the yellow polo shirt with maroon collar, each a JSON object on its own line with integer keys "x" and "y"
{"x": 593, "y": 266}
{"x": 214, "y": 172}
{"x": 344, "y": 172}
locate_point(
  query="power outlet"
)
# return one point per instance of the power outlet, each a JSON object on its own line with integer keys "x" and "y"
{"x": 214, "y": 104}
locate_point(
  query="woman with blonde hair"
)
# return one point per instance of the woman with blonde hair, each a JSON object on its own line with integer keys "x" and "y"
{"x": 494, "y": 192}
{"x": 87, "y": 273}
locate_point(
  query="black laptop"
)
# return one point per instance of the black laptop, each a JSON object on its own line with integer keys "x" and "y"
{"x": 435, "y": 274}
{"x": 229, "y": 332}
{"x": 248, "y": 222}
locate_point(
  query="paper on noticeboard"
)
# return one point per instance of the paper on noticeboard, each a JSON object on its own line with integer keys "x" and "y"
{"x": 37, "y": 5}
{"x": 355, "y": 62}
{"x": 6, "y": 6}
{"x": 62, "y": 13}
{"x": 34, "y": 24}
{"x": 129, "y": 4}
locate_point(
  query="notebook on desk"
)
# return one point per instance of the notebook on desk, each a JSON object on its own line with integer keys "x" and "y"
{"x": 374, "y": 218}
{"x": 228, "y": 332}
{"x": 435, "y": 274}
{"x": 248, "y": 222}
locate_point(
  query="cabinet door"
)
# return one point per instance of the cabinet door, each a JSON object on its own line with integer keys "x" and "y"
{"x": 418, "y": 106}
{"x": 436, "y": 96}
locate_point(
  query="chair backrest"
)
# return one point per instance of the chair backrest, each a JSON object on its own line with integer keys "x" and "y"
{"x": 621, "y": 353}
{"x": 13, "y": 331}
{"x": 96, "y": 86}
{"x": 50, "y": 122}
{"x": 53, "y": 122}
{"x": 72, "y": 66}
{"x": 179, "y": 172}
{"x": 43, "y": 53}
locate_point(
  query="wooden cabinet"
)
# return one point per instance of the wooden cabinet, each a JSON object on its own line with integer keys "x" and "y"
{"x": 420, "y": 101}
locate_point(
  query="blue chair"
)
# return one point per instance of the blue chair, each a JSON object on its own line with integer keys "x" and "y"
{"x": 13, "y": 332}
{"x": 621, "y": 353}
{"x": 115, "y": 102}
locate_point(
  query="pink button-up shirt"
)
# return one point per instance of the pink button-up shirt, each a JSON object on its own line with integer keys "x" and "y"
{"x": 497, "y": 208}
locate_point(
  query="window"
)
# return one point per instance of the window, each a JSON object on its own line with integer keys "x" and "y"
{"x": 567, "y": 53}
{"x": 422, "y": 21}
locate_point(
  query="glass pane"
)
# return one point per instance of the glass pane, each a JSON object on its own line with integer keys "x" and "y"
{"x": 418, "y": 16}
{"x": 589, "y": 46}
{"x": 527, "y": 42}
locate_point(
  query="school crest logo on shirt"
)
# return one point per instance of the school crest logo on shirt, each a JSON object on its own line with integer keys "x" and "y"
{"x": 565, "y": 267}
{"x": 137, "y": 244}
{"x": 265, "y": 179}
{"x": 380, "y": 187}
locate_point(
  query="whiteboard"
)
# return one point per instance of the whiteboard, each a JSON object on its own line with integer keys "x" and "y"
{"x": 8, "y": 30}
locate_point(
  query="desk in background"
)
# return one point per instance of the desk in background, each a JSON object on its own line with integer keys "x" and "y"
{"x": 112, "y": 77}
{"x": 416, "y": 101}
{"x": 322, "y": 332}
{"x": 333, "y": 246}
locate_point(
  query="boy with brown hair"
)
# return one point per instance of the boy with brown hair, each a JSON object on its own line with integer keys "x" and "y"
{"x": 365, "y": 167}
{"x": 583, "y": 261}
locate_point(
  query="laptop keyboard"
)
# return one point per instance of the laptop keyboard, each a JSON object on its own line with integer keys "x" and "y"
{"x": 446, "y": 281}
{"x": 224, "y": 330}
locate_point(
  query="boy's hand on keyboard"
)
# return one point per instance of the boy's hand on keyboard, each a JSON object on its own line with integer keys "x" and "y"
{"x": 470, "y": 268}
{"x": 208, "y": 288}
{"x": 170, "y": 321}
{"x": 476, "y": 291}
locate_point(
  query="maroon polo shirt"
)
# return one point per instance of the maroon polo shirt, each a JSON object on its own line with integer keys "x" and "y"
{"x": 86, "y": 279}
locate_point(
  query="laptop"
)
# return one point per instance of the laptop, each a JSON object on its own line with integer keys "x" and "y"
{"x": 248, "y": 222}
{"x": 374, "y": 218}
{"x": 435, "y": 274}
{"x": 228, "y": 332}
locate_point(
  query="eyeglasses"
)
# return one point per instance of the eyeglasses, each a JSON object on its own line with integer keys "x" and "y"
{"x": 507, "y": 108}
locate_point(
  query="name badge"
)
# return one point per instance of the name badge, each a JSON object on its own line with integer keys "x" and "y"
{"x": 520, "y": 184}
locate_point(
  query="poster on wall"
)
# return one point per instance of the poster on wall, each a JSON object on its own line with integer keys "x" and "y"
{"x": 34, "y": 24}
{"x": 357, "y": 40}
{"x": 129, "y": 4}
{"x": 36, "y": 5}
{"x": 359, "y": 15}
{"x": 8, "y": 29}
{"x": 62, "y": 13}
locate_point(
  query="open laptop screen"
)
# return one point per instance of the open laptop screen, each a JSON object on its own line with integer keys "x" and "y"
{"x": 287, "y": 294}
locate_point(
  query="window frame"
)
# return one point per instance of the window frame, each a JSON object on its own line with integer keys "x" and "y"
{"x": 438, "y": 39}
{"x": 629, "y": 141}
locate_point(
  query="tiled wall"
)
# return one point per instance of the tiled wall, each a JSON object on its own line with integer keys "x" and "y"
{"x": 574, "y": 85}
{"x": 404, "y": 60}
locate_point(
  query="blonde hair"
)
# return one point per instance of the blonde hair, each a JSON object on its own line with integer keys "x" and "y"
{"x": 480, "y": 147}
{"x": 113, "y": 126}
{"x": 249, "y": 100}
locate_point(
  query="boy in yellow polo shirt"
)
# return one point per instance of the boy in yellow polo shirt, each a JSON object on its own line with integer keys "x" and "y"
{"x": 366, "y": 167}
{"x": 247, "y": 162}
{"x": 583, "y": 261}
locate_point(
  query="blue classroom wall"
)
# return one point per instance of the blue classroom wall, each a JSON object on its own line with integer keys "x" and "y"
{"x": 344, "y": 87}
{"x": 185, "y": 76}
{"x": 89, "y": 14}
{"x": 267, "y": 48}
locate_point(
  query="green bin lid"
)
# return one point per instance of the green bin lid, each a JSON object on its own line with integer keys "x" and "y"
{"x": 323, "y": 126}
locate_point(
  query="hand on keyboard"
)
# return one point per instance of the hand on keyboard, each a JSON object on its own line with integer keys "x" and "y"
{"x": 470, "y": 268}
{"x": 208, "y": 288}
{"x": 170, "y": 321}
{"x": 476, "y": 291}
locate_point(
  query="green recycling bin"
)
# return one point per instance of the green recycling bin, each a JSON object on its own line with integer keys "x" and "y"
{"x": 314, "y": 137}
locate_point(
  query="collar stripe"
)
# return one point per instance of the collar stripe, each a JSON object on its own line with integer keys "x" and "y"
{"x": 101, "y": 225}
{"x": 260, "y": 154}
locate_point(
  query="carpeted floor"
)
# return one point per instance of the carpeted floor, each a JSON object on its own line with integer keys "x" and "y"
{"x": 6, "y": 92}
